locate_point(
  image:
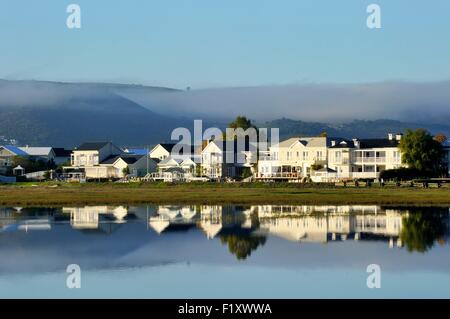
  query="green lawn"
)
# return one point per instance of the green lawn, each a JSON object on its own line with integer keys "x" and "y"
{"x": 40, "y": 194}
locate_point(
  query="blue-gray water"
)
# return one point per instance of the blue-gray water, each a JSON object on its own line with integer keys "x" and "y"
{"x": 225, "y": 251}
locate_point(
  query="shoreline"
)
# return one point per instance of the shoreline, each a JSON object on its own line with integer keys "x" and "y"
{"x": 58, "y": 194}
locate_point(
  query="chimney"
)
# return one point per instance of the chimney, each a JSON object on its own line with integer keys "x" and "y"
{"x": 391, "y": 136}
{"x": 356, "y": 142}
{"x": 398, "y": 136}
{"x": 333, "y": 143}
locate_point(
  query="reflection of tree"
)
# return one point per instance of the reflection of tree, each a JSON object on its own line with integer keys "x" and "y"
{"x": 241, "y": 245}
{"x": 423, "y": 227}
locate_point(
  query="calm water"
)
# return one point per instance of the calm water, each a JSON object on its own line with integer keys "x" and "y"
{"x": 224, "y": 251}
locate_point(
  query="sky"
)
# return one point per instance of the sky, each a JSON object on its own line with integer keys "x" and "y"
{"x": 204, "y": 43}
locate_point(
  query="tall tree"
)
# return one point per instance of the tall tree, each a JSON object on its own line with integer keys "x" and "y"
{"x": 421, "y": 151}
{"x": 241, "y": 122}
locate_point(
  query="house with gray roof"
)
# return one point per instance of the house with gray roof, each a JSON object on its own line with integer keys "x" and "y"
{"x": 104, "y": 160}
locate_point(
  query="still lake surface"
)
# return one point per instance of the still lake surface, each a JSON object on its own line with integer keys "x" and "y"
{"x": 225, "y": 251}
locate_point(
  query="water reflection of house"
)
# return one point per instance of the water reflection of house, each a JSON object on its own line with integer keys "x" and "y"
{"x": 92, "y": 217}
{"x": 211, "y": 220}
{"x": 173, "y": 217}
{"x": 325, "y": 223}
{"x": 10, "y": 222}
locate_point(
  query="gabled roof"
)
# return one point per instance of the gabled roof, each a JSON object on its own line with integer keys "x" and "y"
{"x": 15, "y": 150}
{"x": 37, "y": 151}
{"x": 170, "y": 161}
{"x": 127, "y": 158}
{"x": 378, "y": 142}
{"x": 343, "y": 144}
{"x": 169, "y": 147}
{"x": 305, "y": 141}
{"x": 92, "y": 146}
{"x": 223, "y": 145}
{"x": 131, "y": 159}
{"x": 61, "y": 152}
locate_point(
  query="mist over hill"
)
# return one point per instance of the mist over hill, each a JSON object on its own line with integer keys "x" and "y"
{"x": 67, "y": 114}
{"x": 61, "y": 114}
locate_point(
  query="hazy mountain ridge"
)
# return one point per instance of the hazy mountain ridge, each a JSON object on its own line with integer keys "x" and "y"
{"x": 67, "y": 114}
{"x": 353, "y": 129}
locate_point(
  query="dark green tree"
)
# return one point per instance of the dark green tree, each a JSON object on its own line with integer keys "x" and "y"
{"x": 423, "y": 227}
{"x": 420, "y": 151}
{"x": 242, "y": 245}
{"x": 241, "y": 122}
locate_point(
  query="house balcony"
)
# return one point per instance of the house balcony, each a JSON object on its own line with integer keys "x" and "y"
{"x": 361, "y": 160}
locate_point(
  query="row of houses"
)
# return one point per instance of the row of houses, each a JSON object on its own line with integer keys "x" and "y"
{"x": 55, "y": 155}
{"x": 321, "y": 159}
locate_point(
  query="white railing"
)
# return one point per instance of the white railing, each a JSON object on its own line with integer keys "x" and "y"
{"x": 364, "y": 174}
{"x": 369, "y": 159}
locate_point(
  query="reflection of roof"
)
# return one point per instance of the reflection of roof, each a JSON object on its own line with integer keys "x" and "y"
{"x": 211, "y": 230}
{"x": 92, "y": 146}
{"x": 159, "y": 225}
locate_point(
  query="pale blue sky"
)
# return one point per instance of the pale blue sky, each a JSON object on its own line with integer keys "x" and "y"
{"x": 211, "y": 43}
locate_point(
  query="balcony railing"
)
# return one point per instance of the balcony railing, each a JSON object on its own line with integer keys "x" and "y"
{"x": 369, "y": 159}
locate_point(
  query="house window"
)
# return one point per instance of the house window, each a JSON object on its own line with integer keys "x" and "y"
{"x": 396, "y": 155}
{"x": 305, "y": 156}
{"x": 319, "y": 155}
{"x": 298, "y": 155}
{"x": 338, "y": 156}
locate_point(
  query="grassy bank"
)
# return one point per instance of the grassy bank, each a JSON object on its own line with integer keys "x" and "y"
{"x": 112, "y": 193}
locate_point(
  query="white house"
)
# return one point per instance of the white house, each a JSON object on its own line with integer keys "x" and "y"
{"x": 293, "y": 158}
{"x": 121, "y": 165}
{"x": 364, "y": 158}
{"x": 221, "y": 160}
{"x": 92, "y": 154}
{"x": 326, "y": 159}
{"x": 185, "y": 166}
{"x": 105, "y": 160}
